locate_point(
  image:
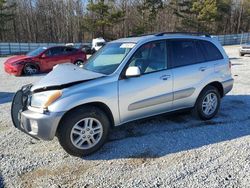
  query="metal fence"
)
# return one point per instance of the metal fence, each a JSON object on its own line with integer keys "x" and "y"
{"x": 234, "y": 39}
{"x": 22, "y": 48}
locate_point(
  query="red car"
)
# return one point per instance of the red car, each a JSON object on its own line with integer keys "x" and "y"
{"x": 43, "y": 59}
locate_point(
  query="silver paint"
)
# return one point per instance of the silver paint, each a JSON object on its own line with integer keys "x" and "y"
{"x": 146, "y": 95}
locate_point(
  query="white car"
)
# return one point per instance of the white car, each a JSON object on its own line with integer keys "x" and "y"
{"x": 245, "y": 49}
{"x": 97, "y": 44}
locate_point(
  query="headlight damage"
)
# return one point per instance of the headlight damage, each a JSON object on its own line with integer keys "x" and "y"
{"x": 45, "y": 98}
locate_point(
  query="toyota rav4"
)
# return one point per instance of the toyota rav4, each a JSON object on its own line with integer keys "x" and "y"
{"x": 126, "y": 80}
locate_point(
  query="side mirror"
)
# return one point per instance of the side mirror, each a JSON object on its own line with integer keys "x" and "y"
{"x": 133, "y": 72}
{"x": 43, "y": 55}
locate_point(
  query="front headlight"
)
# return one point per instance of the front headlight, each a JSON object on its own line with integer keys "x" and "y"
{"x": 44, "y": 99}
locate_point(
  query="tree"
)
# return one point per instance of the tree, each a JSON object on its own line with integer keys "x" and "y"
{"x": 5, "y": 16}
{"x": 148, "y": 10}
{"x": 198, "y": 15}
{"x": 205, "y": 14}
{"x": 100, "y": 16}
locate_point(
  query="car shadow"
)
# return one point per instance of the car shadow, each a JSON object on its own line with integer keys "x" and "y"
{"x": 234, "y": 64}
{"x": 171, "y": 133}
{"x": 6, "y": 97}
{"x": 1, "y": 181}
{"x": 35, "y": 75}
{"x": 234, "y": 58}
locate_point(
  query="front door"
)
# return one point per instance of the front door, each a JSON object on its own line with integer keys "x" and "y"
{"x": 54, "y": 56}
{"x": 150, "y": 93}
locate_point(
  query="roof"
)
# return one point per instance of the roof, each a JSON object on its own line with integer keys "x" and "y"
{"x": 162, "y": 35}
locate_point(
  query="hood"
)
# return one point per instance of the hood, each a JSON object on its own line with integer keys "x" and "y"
{"x": 64, "y": 75}
{"x": 15, "y": 59}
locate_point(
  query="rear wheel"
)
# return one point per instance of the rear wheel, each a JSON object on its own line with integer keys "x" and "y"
{"x": 79, "y": 63}
{"x": 208, "y": 103}
{"x": 30, "y": 69}
{"x": 83, "y": 131}
{"x": 241, "y": 54}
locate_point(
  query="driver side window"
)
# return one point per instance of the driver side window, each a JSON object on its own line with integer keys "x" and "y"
{"x": 150, "y": 57}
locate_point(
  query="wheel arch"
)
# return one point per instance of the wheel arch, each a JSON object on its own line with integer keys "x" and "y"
{"x": 99, "y": 105}
{"x": 78, "y": 59}
{"x": 215, "y": 84}
{"x": 36, "y": 64}
{"x": 218, "y": 86}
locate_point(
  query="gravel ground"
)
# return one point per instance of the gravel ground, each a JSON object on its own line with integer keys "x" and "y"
{"x": 165, "y": 151}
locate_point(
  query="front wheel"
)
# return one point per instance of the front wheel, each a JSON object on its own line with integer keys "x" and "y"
{"x": 83, "y": 131}
{"x": 30, "y": 69}
{"x": 208, "y": 103}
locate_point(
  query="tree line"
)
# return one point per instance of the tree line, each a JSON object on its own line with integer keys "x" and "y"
{"x": 82, "y": 20}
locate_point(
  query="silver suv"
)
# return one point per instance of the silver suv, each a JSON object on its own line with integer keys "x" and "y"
{"x": 126, "y": 80}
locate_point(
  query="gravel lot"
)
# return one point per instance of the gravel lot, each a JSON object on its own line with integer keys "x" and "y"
{"x": 165, "y": 151}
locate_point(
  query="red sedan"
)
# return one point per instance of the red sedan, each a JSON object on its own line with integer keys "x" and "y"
{"x": 43, "y": 59}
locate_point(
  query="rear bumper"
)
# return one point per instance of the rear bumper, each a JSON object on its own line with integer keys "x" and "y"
{"x": 245, "y": 51}
{"x": 39, "y": 125}
{"x": 227, "y": 85}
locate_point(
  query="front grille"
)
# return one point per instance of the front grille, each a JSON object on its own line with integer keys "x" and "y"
{"x": 19, "y": 104}
{"x": 26, "y": 95}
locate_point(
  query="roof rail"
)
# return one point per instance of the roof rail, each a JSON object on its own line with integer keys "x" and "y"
{"x": 185, "y": 33}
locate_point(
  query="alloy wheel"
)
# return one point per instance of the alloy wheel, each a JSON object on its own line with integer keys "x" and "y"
{"x": 209, "y": 103}
{"x": 86, "y": 133}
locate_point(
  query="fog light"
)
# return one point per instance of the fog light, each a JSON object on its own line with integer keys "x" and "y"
{"x": 34, "y": 126}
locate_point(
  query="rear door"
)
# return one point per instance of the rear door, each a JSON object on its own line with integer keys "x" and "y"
{"x": 190, "y": 69}
{"x": 73, "y": 54}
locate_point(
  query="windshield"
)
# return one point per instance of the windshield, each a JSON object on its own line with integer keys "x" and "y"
{"x": 100, "y": 43}
{"x": 36, "y": 51}
{"x": 108, "y": 58}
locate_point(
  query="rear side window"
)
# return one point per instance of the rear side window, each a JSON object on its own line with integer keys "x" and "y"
{"x": 54, "y": 51}
{"x": 183, "y": 52}
{"x": 69, "y": 50}
{"x": 211, "y": 51}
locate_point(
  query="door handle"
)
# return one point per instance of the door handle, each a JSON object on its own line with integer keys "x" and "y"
{"x": 203, "y": 68}
{"x": 165, "y": 77}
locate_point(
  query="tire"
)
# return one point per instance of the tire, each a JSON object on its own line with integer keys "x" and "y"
{"x": 79, "y": 63}
{"x": 69, "y": 131}
{"x": 30, "y": 69}
{"x": 202, "y": 105}
{"x": 241, "y": 54}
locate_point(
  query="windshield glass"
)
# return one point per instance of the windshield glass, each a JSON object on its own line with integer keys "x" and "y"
{"x": 100, "y": 43}
{"x": 108, "y": 58}
{"x": 36, "y": 51}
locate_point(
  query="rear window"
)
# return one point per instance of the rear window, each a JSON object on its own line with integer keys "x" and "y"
{"x": 211, "y": 51}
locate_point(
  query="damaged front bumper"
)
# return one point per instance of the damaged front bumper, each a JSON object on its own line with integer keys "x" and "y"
{"x": 36, "y": 124}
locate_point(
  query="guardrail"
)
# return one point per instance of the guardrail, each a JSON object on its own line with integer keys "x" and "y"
{"x": 22, "y": 48}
